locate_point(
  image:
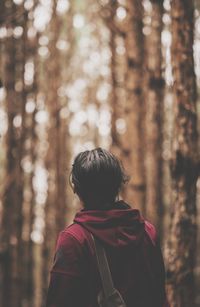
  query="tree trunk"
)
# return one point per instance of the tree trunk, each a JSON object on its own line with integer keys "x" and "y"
{"x": 53, "y": 68}
{"x": 118, "y": 95}
{"x": 184, "y": 163}
{"x": 153, "y": 115}
{"x": 133, "y": 153}
{"x": 12, "y": 216}
{"x": 30, "y": 151}
{"x": 57, "y": 159}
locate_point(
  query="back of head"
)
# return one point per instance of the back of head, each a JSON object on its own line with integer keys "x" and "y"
{"x": 97, "y": 176}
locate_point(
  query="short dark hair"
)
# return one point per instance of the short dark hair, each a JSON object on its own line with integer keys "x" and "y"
{"x": 97, "y": 176}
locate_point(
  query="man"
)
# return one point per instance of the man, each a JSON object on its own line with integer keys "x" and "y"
{"x": 130, "y": 242}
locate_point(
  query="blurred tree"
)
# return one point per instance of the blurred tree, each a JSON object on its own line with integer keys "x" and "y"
{"x": 185, "y": 159}
{"x": 29, "y": 160}
{"x": 127, "y": 124}
{"x": 153, "y": 112}
{"x": 118, "y": 68}
{"x": 57, "y": 159}
{"x": 12, "y": 216}
{"x": 133, "y": 151}
{"x": 113, "y": 66}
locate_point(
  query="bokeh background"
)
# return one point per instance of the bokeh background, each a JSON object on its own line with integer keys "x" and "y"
{"x": 75, "y": 75}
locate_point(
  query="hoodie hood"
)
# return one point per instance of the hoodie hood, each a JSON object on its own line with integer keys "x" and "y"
{"x": 117, "y": 227}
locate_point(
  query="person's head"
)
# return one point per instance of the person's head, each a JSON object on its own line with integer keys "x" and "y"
{"x": 97, "y": 177}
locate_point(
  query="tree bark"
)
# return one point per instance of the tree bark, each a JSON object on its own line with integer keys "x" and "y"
{"x": 133, "y": 149}
{"x": 185, "y": 159}
{"x": 57, "y": 159}
{"x": 52, "y": 205}
{"x": 153, "y": 115}
{"x": 30, "y": 151}
{"x": 12, "y": 216}
{"x": 116, "y": 88}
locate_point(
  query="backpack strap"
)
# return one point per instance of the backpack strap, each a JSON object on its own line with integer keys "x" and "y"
{"x": 104, "y": 270}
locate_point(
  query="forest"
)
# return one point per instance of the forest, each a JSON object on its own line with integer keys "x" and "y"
{"x": 123, "y": 75}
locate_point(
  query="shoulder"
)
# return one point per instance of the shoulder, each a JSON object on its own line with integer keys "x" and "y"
{"x": 70, "y": 253}
{"x": 73, "y": 235}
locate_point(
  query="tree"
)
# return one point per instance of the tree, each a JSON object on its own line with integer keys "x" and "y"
{"x": 133, "y": 150}
{"x": 185, "y": 158}
{"x": 57, "y": 158}
{"x": 30, "y": 156}
{"x": 12, "y": 214}
{"x": 127, "y": 126}
{"x": 153, "y": 113}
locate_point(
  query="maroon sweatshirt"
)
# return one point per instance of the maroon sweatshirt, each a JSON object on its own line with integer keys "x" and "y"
{"x": 133, "y": 253}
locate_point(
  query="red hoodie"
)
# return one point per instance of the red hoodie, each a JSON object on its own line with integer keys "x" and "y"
{"x": 133, "y": 253}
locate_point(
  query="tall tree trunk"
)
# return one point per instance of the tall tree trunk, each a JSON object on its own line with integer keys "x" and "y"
{"x": 184, "y": 163}
{"x": 57, "y": 159}
{"x": 133, "y": 149}
{"x": 127, "y": 106}
{"x": 118, "y": 95}
{"x": 30, "y": 54}
{"x": 12, "y": 216}
{"x": 53, "y": 153}
{"x": 114, "y": 96}
{"x": 153, "y": 115}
